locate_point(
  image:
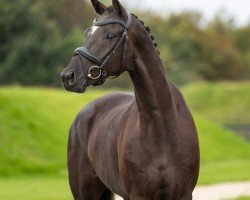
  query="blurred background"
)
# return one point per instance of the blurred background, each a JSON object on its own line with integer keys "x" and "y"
{"x": 205, "y": 48}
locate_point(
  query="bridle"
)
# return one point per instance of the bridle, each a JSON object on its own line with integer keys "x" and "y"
{"x": 83, "y": 51}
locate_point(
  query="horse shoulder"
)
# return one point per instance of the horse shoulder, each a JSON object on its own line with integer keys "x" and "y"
{"x": 86, "y": 116}
{"x": 180, "y": 102}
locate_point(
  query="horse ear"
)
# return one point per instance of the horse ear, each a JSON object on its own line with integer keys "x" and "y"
{"x": 119, "y": 8}
{"x": 98, "y": 6}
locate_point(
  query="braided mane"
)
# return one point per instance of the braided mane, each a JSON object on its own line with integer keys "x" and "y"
{"x": 148, "y": 30}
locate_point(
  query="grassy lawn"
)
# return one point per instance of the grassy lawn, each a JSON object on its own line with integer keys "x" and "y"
{"x": 244, "y": 198}
{"x": 34, "y": 126}
{"x": 225, "y": 102}
{"x": 241, "y": 198}
{"x": 35, "y": 189}
{"x": 224, "y": 156}
{"x": 43, "y": 188}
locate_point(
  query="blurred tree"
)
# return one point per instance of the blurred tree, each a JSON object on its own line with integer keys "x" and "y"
{"x": 221, "y": 54}
{"x": 69, "y": 14}
{"x": 37, "y": 38}
{"x": 241, "y": 37}
{"x": 192, "y": 51}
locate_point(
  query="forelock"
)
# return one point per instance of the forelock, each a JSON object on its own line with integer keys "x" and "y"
{"x": 110, "y": 9}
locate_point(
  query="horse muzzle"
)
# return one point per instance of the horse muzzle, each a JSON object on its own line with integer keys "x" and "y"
{"x": 72, "y": 83}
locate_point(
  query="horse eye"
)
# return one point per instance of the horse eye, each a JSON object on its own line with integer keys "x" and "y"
{"x": 110, "y": 36}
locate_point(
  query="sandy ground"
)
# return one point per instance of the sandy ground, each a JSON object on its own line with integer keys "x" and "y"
{"x": 219, "y": 191}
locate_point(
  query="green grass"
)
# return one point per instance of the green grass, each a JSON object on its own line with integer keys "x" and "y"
{"x": 34, "y": 126}
{"x": 225, "y": 102}
{"x": 243, "y": 198}
{"x": 35, "y": 189}
{"x": 224, "y": 155}
{"x": 40, "y": 189}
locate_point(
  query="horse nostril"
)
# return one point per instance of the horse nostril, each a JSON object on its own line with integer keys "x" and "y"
{"x": 69, "y": 75}
{"x": 71, "y": 78}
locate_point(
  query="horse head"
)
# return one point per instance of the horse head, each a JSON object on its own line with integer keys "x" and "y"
{"x": 106, "y": 52}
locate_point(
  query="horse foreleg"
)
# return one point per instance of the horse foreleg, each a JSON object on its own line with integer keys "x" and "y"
{"x": 84, "y": 183}
{"x": 107, "y": 195}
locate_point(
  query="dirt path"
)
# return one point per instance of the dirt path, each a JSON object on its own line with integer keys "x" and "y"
{"x": 220, "y": 191}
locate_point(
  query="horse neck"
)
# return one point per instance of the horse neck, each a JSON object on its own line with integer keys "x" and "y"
{"x": 152, "y": 89}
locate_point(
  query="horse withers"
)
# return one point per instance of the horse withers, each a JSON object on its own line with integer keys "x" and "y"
{"x": 141, "y": 145}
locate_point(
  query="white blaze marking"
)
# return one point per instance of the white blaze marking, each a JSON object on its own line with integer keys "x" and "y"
{"x": 93, "y": 30}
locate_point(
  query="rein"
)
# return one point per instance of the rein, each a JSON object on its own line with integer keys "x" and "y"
{"x": 93, "y": 58}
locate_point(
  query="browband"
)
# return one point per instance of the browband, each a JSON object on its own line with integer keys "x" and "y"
{"x": 114, "y": 21}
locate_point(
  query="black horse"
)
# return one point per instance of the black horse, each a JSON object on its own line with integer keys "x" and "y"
{"x": 141, "y": 145}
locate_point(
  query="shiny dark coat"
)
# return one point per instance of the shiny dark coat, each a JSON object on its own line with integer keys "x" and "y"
{"x": 141, "y": 145}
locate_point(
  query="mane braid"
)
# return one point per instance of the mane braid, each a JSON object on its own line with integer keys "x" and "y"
{"x": 148, "y": 31}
